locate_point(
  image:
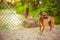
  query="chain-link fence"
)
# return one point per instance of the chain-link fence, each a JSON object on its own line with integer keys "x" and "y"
{"x": 9, "y": 19}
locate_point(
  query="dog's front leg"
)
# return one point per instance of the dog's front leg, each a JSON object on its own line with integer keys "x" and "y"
{"x": 44, "y": 23}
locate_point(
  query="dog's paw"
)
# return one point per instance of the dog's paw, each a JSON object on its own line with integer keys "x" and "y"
{"x": 40, "y": 33}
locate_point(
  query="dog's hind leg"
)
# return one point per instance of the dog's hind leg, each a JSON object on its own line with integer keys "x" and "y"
{"x": 51, "y": 24}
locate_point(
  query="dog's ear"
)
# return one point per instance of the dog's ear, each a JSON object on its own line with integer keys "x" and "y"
{"x": 40, "y": 13}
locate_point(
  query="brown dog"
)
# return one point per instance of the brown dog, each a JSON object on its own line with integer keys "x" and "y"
{"x": 44, "y": 20}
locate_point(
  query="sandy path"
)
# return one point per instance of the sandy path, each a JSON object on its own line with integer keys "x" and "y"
{"x": 31, "y": 34}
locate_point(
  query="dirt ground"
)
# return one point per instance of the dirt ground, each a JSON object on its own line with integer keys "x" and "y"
{"x": 31, "y": 34}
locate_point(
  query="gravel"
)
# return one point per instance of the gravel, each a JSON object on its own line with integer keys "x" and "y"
{"x": 31, "y": 34}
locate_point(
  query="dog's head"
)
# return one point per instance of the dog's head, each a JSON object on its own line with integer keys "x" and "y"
{"x": 42, "y": 14}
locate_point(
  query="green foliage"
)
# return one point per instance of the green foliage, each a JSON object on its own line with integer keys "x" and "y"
{"x": 51, "y": 6}
{"x": 19, "y": 8}
{"x": 4, "y": 27}
{"x": 2, "y": 7}
{"x": 58, "y": 7}
{"x": 57, "y": 20}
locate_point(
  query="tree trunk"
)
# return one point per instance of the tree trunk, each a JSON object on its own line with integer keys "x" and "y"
{"x": 27, "y": 7}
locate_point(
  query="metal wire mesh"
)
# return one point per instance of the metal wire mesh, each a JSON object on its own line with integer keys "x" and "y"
{"x": 9, "y": 19}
